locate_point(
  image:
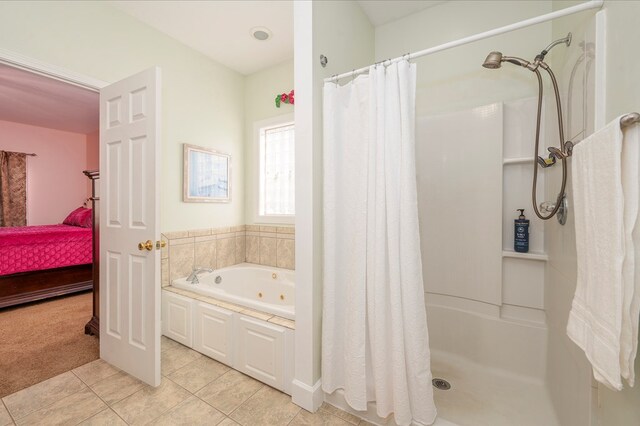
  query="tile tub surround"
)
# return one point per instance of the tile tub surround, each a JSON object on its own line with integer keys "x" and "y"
{"x": 199, "y": 392}
{"x": 208, "y": 248}
{"x": 271, "y": 245}
{"x": 221, "y": 247}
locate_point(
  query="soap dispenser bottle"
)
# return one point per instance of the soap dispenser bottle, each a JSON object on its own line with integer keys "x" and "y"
{"x": 521, "y": 233}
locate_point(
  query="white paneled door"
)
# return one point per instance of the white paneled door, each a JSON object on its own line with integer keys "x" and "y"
{"x": 130, "y": 226}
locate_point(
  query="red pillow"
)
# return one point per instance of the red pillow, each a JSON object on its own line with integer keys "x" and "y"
{"x": 79, "y": 217}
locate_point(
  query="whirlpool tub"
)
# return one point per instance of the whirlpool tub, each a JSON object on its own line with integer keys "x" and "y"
{"x": 258, "y": 287}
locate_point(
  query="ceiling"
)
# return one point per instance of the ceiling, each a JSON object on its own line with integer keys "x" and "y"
{"x": 36, "y": 100}
{"x": 222, "y": 29}
{"x": 380, "y": 12}
{"x": 219, "y": 29}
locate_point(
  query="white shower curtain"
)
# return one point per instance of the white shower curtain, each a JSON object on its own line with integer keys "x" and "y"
{"x": 375, "y": 343}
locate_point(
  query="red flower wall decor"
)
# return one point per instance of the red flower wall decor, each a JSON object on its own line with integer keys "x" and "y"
{"x": 287, "y": 98}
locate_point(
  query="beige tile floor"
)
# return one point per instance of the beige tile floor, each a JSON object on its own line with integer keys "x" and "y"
{"x": 195, "y": 390}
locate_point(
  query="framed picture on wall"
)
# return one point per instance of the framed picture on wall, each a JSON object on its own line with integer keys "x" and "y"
{"x": 207, "y": 175}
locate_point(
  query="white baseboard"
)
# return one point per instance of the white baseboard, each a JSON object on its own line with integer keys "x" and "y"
{"x": 308, "y": 397}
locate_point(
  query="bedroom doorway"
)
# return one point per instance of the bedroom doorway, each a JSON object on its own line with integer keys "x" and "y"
{"x": 131, "y": 279}
{"x": 49, "y": 133}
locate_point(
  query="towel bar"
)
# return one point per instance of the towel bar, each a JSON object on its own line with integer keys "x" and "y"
{"x": 625, "y": 121}
{"x": 629, "y": 119}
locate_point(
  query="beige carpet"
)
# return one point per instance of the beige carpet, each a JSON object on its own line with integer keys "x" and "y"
{"x": 43, "y": 339}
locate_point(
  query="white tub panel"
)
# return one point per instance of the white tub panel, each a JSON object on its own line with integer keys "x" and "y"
{"x": 177, "y": 318}
{"x": 258, "y": 348}
{"x": 213, "y": 333}
{"x": 261, "y": 351}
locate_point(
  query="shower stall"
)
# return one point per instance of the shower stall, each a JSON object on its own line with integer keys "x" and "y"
{"x": 496, "y": 317}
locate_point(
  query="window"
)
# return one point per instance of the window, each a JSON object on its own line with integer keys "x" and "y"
{"x": 277, "y": 171}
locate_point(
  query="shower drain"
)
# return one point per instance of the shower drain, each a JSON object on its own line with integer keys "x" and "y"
{"x": 441, "y": 384}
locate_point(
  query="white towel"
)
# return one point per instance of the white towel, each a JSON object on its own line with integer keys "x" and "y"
{"x": 604, "y": 315}
{"x": 631, "y": 265}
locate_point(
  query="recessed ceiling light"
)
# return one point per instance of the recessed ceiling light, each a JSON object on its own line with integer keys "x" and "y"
{"x": 261, "y": 33}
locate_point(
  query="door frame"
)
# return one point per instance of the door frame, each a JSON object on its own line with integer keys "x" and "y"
{"x": 34, "y": 66}
{"x": 17, "y": 60}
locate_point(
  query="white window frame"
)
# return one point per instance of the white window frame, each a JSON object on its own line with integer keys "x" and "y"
{"x": 281, "y": 120}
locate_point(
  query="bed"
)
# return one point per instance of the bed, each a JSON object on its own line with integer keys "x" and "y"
{"x": 38, "y": 262}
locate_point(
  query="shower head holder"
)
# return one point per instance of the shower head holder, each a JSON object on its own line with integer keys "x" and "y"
{"x": 546, "y": 162}
{"x": 556, "y": 154}
{"x": 566, "y": 40}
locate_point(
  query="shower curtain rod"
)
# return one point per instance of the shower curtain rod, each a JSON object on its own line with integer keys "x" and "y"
{"x": 591, "y": 4}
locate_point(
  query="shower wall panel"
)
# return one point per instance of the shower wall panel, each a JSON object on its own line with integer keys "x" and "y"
{"x": 569, "y": 373}
{"x": 468, "y": 189}
{"x": 519, "y": 141}
{"x": 459, "y": 174}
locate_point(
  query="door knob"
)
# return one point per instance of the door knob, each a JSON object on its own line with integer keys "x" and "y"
{"x": 147, "y": 245}
{"x": 160, "y": 244}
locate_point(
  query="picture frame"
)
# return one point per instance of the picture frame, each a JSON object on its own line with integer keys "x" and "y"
{"x": 206, "y": 175}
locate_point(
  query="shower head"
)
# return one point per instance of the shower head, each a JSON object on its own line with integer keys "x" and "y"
{"x": 493, "y": 61}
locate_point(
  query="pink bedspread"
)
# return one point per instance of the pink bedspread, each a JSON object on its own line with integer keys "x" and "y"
{"x": 34, "y": 248}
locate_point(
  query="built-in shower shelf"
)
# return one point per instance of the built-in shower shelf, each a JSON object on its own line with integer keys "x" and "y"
{"x": 519, "y": 160}
{"x": 530, "y": 256}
